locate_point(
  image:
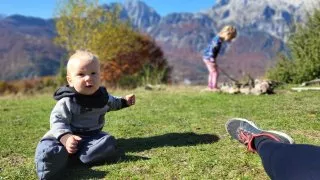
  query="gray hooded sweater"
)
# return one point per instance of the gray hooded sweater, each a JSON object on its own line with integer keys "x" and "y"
{"x": 80, "y": 114}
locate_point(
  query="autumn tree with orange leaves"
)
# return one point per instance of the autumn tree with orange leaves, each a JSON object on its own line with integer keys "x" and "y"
{"x": 124, "y": 53}
{"x": 144, "y": 65}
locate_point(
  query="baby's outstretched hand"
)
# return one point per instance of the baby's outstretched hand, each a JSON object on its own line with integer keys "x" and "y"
{"x": 131, "y": 99}
{"x": 70, "y": 142}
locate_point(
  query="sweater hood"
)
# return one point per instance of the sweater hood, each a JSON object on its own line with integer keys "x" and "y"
{"x": 64, "y": 91}
{"x": 97, "y": 100}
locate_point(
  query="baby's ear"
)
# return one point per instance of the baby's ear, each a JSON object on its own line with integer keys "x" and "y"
{"x": 69, "y": 79}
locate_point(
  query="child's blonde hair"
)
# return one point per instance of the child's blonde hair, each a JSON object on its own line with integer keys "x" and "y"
{"x": 229, "y": 30}
{"x": 82, "y": 55}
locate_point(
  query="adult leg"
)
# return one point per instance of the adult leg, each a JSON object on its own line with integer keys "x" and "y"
{"x": 51, "y": 158}
{"x": 247, "y": 133}
{"x": 288, "y": 161}
{"x": 97, "y": 149}
{"x": 280, "y": 157}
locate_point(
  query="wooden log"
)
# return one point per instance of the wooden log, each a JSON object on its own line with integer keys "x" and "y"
{"x": 306, "y": 89}
{"x": 315, "y": 81}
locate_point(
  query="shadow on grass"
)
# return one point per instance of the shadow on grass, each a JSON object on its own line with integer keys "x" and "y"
{"x": 83, "y": 172}
{"x": 80, "y": 171}
{"x": 172, "y": 139}
{"x": 141, "y": 144}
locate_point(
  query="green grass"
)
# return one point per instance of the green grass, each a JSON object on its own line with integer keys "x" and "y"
{"x": 177, "y": 133}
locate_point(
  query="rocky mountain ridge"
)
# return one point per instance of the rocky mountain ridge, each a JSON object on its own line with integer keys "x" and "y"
{"x": 26, "y": 48}
{"x": 183, "y": 36}
{"x": 263, "y": 27}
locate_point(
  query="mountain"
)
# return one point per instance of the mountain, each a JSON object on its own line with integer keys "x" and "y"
{"x": 273, "y": 16}
{"x": 263, "y": 28}
{"x": 141, "y": 15}
{"x": 27, "y": 49}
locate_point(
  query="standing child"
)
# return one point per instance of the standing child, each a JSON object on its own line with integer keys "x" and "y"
{"x": 77, "y": 119}
{"x": 210, "y": 54}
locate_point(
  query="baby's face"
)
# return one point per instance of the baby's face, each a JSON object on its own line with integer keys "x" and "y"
{"x": 84, "y": 76}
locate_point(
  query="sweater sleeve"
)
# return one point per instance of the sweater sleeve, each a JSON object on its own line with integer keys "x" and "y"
{"x": 116, "y": 103}
{"x": 60, "y": 118}
{"x": 215, "y": 47}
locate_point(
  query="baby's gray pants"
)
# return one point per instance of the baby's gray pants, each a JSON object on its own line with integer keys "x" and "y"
{"x": 51, "y": 156}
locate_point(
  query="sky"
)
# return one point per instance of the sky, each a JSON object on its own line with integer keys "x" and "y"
{"x": 45, "y": 8}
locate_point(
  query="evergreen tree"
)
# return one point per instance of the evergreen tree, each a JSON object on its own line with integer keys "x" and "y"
{"x": 283, "y": 70}
{"x": 303, "y": 64}
{"x": 305, "y": 48}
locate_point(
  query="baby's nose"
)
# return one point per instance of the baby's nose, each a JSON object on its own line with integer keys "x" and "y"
{"x": 87, "y": 77}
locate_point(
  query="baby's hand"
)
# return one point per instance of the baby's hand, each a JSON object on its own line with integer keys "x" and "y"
{"x": 71, "y": 142}
{"x": 131, "y": 99}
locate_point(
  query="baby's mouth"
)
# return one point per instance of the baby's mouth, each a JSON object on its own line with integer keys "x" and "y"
{"x": 89, "y": 86}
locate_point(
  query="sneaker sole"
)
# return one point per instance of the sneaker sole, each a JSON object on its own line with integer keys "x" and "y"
{"x": 286, "y": 136}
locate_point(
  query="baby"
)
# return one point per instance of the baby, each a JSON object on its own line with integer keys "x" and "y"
{"x": 77, "y": 120}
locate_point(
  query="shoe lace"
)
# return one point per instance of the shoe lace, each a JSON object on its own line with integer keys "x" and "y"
{"x": 244, "y": 137}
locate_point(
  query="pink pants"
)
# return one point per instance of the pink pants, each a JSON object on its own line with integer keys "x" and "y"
{"x": 213, "y": 73}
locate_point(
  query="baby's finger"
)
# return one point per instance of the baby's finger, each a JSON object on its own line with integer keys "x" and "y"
{"x": 77, "y": 138}
{"x": 72, "y": 146}
{"x": 132, "y": 102}
{"x": 71, "y": 150}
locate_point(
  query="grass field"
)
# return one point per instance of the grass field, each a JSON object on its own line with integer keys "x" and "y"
{"x": 176, "y": 133}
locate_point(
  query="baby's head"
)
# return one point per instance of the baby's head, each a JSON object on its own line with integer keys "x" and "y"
{"x": 83, "y": 72}
{"x": 228, "y": 33}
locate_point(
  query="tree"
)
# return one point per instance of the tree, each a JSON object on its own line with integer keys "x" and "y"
{"x": 144, "y": 65}
{"x": 303, "y": 64}
{"x": 283, "y": 70}
{"x": 305, "y": 48}
{"x": 61, "y": 77}
{"x": 83, "y": 24}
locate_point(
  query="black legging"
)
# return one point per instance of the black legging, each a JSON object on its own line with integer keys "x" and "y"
{"x": 288, "y": 161}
